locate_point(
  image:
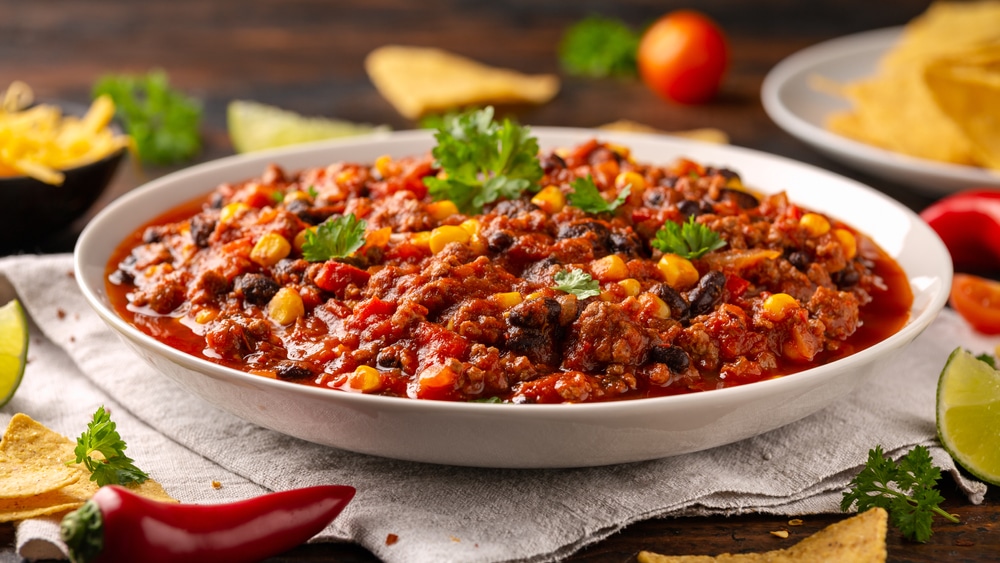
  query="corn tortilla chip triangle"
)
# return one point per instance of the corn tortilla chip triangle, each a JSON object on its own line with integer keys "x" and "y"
{"x": 27, "y": 467}
{"x": 422, "y": 80}
{"x": 966, "y": 87}
{"x": 858, "y": 539}
{"x": 45, "y": 452}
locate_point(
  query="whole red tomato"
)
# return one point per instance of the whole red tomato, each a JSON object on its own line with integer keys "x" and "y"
{"x": 683, "y": 57}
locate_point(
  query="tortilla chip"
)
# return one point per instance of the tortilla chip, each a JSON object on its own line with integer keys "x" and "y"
{"x": 966, "y": 87}
{"x": 27, "y": 467}
{"x": 858, "y": 539}
{"x": 43, "y": 454}
{"x": 420, "y": 80}
{"x": 706, "y": 134}
{"x": 895, "y": 108}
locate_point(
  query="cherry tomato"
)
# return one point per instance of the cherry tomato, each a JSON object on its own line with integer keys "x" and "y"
{"x": 683, "y": 57}
{"x": 978, "y": 301}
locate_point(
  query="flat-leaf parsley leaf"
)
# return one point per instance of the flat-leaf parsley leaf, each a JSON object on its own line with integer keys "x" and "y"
{"x": 162, "y": 120}
{"x": 692, "y": 240}
{"x": 101, "y": 436}
{"x": 587, "y": 197}
{"x": 578, "y": 283}
{"x": 483, "y": 161}
{"x": 334, "y": 238}
{"x": 905, "y": 490}
{"x": 598, "y": 47}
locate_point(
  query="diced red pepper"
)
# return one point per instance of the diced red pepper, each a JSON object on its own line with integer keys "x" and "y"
{"x": 336, "y": 276}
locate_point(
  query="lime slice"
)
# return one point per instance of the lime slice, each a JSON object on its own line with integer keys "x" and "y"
{"x": 13, "y": 348}
{"x": 254, "y": 126}
{"x": 968, "y": 414}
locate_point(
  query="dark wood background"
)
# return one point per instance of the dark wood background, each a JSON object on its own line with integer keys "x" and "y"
{"x": 306, "y": 55}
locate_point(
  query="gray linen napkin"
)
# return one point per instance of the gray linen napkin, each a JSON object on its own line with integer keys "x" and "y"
{"x": 443, "y": 513}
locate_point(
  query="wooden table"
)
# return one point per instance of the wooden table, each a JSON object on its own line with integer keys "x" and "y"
{"x": 306, "y": 55}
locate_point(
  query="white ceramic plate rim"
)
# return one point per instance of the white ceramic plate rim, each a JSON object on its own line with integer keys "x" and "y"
{"x": 787, "y": 107}
{"x": 90, "y": 259}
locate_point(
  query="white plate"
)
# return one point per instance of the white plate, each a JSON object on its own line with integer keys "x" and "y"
{"x": 801, "y": 110}
{"x": 498, "y": 435}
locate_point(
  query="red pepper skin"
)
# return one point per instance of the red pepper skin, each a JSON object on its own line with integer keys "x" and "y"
{"x": 135, "y": 528}
{"x": 969, "y": 224}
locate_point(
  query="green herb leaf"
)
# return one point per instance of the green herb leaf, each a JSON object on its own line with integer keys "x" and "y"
{"x": 599, "y": 47}
{"x": 907, "y": 491}
{"x": 101, "y": 436}
{"x": 989, "y": 359}
{"x": 692, "y": 240}
{"x": 483, "y": 161}
{"x": 578, "y": 283}
{"x": 334, "y": 238}
{"x": 162, "y": 121}
{"x": 587, "y": 197}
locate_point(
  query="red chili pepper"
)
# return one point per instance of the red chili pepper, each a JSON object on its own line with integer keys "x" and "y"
{"x": 969, "y": 224}
{"x": 119, "y": 525}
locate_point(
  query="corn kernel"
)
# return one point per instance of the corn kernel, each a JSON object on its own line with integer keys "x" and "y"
{"x": 631, "y": 286}
{"x": 848, "y": 241}
{"x": 777, "y": 306}
{"x": 286, "y": 306}
{"x": 550, "y": 199}
{"x": 609, "y": 268}
{"x": 445, "y": 234}
{"x": 471, "y": 226}
{"x": 620, "y": 150}
{"x": 421, "y": 239}
{"x": 677, "y": 271}
{"x": 385, "y": 166}
{"x": 205, "y": 316}
{"x": 232, "y": 211}
{"x": 378, "y": 238}
{"x": 507, "y": 299}
{"x": 630, "y": 178}
{"x": 300, "y": 239}
{"x": 608, "y": 296}
{"x": 654, "y": 305}
{"x": 533, "y": 295}
{"x": 296, "y": 195}
{"x": 443, "y": 209}
{"x": 814, "y": 224}
{"x": 346, "y": 176}
{"x": 269, "y": 249}
{"x": 365, "y": 379}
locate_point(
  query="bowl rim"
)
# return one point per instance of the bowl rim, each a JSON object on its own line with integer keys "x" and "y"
{"x": 731, "y": 395}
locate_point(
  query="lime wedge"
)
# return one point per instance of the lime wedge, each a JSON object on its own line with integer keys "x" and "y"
{"x": 254, "y": 126}
{"x": 13, "y": 348}
{"x": 968, "y": 414}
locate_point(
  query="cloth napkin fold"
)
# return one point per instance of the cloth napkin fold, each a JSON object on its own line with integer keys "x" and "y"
{"x": 444, "y": 513}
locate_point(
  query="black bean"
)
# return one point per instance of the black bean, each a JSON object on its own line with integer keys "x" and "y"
{"x": 152, "y": 234}
{"x": 388, "y": 358}
{"x": 217, "y": 201}
{"x": 742, "y": 199}
{"x": 499, "y": 241}
{"x": 201, "y": 230}
{"x": 679, "y": 307}
{"x": 674, "y": 357}
{"x": 846, "y": 278}
{"x": 799, "y": 259}
{"x": 692, "y": 208}
{"x": 257, "y": 289}
{"x": 707, "y": 293}
{"x": 289, "y": 370}
{"x": 552, "y": 161}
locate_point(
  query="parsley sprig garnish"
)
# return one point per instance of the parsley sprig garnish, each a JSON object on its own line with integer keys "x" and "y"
{"x": 483, "y": 161}
{"x": 692, "y": 240}
{"x": 163, "y": 121}
{"x": 578, "y": 283}
{"x": 587, "y": 197}
{"x": 905, "y": 490}
{"x": 101, "y": 436}
{"x": 334, "y": 238}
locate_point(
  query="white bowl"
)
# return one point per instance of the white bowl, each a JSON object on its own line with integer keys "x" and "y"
{"x": 792, "y": 102}
{"x": 523, "y": 436}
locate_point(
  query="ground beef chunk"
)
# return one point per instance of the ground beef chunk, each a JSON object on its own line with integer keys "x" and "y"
{"x": 533, "y": 330}
{"x": 837, "y": 310}
{"x": 605, "y": 334}
{"x": 236, "y": 337}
